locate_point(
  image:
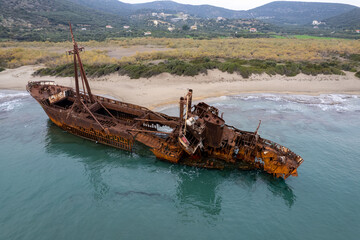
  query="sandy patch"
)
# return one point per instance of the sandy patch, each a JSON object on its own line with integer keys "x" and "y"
{"x": 167, "y": 89}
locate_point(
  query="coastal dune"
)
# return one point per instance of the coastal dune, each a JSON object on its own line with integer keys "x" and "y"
{"x": 167, "y": 89}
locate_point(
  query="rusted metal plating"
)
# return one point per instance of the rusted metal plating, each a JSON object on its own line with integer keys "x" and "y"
{"x": 198, "y": 137}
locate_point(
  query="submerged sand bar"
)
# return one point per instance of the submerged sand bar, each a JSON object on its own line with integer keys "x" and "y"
{"x": 167, "y": 89}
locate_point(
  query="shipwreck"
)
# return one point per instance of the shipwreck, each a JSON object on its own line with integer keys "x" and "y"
{"x": 197, "y": 137}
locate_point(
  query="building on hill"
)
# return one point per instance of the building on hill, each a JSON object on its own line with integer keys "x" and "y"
{"x": 171, "y": 29}
{"x": 176, "y": 19}
{"x": 253, "y": 30}
{"x": 126, "y": 27}
{"x": 108, "y": 26}
{"x": 83, "y": 29}
{"x": 147, "y": 33}
{"x": 318, "y": 23}
{"x": 164, "y": 15}
{"x": 183, "y": 16}
{"x": 357, "y": 31}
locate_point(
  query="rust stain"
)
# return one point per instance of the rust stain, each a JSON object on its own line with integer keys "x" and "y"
{"x": 198, "y": 137}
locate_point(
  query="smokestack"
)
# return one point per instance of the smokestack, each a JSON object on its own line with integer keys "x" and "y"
{"x": 190, "y": 99}
{"x": 181, "y": 103}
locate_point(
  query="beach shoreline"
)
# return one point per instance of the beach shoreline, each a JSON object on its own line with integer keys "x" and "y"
{"x": 166, "y": 89}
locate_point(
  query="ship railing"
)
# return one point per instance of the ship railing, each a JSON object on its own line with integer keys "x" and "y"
{"x": 240, "y": 131}
{"x": 283, "y": 150}
{"x": 280, "y": 148}
{"x": 46, "y": 82}
{"x": 122, "y": 104}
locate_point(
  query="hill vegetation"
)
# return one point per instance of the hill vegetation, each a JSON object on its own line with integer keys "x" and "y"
{"x": 348, "y": 20}
{"x": 298, "y": 13}
{"x": 280, "y": 12}
{"x": 43, "y": 20}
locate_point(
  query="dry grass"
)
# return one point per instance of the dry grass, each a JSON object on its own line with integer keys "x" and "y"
{"x": 15, "y": 54}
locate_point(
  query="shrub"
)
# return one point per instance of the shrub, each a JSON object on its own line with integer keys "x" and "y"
{"x": 134, "y": 71}
{"x": 354, "y": 57}
{"x": 200, "y": 65}
{"x": 357, "y": 74}
{"x": 229, "y": 67}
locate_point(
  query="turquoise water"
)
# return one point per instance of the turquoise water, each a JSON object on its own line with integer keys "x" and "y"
{"x": 57, "y": 186}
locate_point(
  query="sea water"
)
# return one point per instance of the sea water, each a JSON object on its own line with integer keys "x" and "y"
{"x": 57, "y": 186}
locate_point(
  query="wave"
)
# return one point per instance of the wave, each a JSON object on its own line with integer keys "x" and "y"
{"x": 306, "y": 99}
{"x": 10, "y": 100}
{"x": 325, "y": 102}
{"x": 10, "y": 105}
{"x": 286, "y": 102}
{"x": 12, "y": 95}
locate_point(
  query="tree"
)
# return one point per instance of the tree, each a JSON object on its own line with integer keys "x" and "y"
{"x": 185, "y": 27}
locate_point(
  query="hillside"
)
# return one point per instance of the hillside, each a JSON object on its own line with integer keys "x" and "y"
{"x": 42, "y": 13}
{"x": 28, "y": 19}
{"x": 46, "y": 20}
{"x": 278, "y": 12}
{"x": 299, "y": 13}
{"x": 348, "y": 20}
{"x": 109, "y": 6}
{"x": 202, "y": 11}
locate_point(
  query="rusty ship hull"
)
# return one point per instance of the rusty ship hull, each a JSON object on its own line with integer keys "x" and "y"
{"x": 197, "y": 137}
{"x": 121, "y": 124}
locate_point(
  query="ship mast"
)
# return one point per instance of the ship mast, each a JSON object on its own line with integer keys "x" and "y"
{"x": 77, "y": 61}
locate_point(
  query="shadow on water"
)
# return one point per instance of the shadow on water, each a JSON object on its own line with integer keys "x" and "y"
{"x": 201, "y": 188}
{"x": 198, "y": 188}
{"x": 277, "y": 186}
{"x": 195, "y": 187}
{"x": 94, "y": 157}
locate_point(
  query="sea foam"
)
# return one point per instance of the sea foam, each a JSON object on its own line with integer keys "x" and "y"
{"x": 10, "y": 100}
{"x": 325, "y": 102}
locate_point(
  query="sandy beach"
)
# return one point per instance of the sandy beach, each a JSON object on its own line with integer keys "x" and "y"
{"x": 167, "y": 89}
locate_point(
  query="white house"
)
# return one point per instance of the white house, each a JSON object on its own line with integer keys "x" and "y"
{"x": 109, "y": 26}
{"x": 147, "y": 33}
{"x": 194, "y": 27}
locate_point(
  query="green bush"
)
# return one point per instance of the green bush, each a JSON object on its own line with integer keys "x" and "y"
{"x": 228, "y": 67}
{"x": 354, "y": 57}
{"x": 134, "y": 71}
{"x": 357, "y": 74}
{"x": 2, "y": 69}
{"x": 196, "y": 66}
